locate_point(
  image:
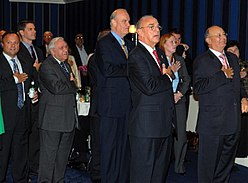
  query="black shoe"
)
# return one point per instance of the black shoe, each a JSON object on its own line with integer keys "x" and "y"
{"x": 182, "y": 174}
{"x": 96, "y": 180}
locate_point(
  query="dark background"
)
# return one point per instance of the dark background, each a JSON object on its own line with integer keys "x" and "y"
{"x": 92, "y": 16}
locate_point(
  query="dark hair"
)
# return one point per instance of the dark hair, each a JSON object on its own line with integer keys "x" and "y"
{"x": 9, "y": 32}
{"x": 176, "y": 31}
{"x": 22, "y": 24}
{"x": 232, "y": 43}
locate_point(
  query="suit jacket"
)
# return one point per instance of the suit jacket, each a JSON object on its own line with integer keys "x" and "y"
{"x": 219, "y": 97}
{"x": 9, "y": 92}
{"x": 43, "y": 49}
{"x": 184, "y": 78}
{"x": 92, "y": 73}
{"x": 57, "y": 103}
{"x": 113, "y": 89}
{"x": 75, "y": 53}
{"x": 153, "y": 107}
{"x": 25, "y": 55}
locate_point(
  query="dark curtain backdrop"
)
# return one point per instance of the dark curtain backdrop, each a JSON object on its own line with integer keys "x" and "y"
{"x": 92, "y": 16}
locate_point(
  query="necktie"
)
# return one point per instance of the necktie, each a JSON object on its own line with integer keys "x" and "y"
{"x": 62, "y": 64}
{"x": 171, "y": 60}
{"x": 155, "y": 53}
{"x": 32, "y": 52}
{"x": 124, "y": 48}
{"x": 224, "y": 61}
{"x": 20, "y": 101}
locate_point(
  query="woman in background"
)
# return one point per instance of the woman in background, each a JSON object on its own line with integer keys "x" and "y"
{"x": 180, "y": 85}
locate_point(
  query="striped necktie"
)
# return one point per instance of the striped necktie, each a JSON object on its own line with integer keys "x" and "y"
{"x": 20, "y": 101}
{"x": 124, "y": 47}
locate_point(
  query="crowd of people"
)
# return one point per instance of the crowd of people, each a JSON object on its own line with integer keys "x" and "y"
{"x": 139, "y": 104}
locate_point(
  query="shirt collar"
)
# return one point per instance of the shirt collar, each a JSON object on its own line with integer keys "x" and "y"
{"x": 8, "y": 57}
{"x": 216, "y": 53}
{"x": 117, "y": 37}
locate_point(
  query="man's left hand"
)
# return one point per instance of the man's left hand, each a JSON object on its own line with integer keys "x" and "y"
{"x": 244, "y": 105}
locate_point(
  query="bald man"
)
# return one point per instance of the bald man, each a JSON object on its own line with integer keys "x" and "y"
{"x": 216, "y": 81}
{"x": 114, "y": 100}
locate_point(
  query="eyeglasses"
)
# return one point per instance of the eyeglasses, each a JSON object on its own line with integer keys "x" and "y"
{"x": 153, "y": 27}
{"x": 219, "y": 35}
{"x": 79, "y": 37}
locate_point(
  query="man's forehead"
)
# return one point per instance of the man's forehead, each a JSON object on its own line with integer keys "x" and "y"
{"x": 149, "y": 21}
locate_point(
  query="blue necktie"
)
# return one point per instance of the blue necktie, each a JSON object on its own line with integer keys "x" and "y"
{"x": 62, "y": 64}
{"x": 32, "y": 52}
{"x": 20, "y": 102}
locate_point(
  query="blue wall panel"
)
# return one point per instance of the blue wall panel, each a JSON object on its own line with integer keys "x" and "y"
{"x": 91, "y": 16}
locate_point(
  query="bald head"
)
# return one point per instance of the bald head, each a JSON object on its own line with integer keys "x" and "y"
{"x": 216, "y": 38}
{"x": 119, "y": 22}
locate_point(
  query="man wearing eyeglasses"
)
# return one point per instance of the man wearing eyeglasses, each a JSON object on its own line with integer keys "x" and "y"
{"x": 78, "y": 50}
{"x": 216, "y": 82}
{"x": 152, "y": 114}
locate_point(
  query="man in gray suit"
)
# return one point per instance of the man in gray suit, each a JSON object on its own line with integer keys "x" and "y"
{"x": 57, "y": 112}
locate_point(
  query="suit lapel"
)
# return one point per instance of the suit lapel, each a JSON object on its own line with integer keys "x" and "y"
{"x": 117, "y": 44}
{"x": 150, "y": 57}
{"x": 58, "y": 67}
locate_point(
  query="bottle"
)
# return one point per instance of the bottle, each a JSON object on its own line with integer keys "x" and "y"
{"x": 31, "y": 90}
{"x": 87, "y": 97}
{"x": 78, "y": 94}
{"x": 87, "y": 94}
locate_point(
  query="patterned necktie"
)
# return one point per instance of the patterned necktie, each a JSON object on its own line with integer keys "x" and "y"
{"x": 20, "y": 101}
{"x": 124, "y": 48}
{"x": 155, "y": 53}
{"x": 224, "y": 61}
{"x": 62, "y": 64}
{"x": 32, "y": 52}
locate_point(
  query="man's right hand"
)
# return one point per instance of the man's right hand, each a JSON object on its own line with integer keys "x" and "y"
{"x": 228, "y": 72}
{"x": 21, "y": 77}
{"x": 166, "y": 71}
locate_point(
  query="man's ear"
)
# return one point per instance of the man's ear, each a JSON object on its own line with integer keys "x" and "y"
{"x": 208, "y": 40}
{"x": 21, "y": 32}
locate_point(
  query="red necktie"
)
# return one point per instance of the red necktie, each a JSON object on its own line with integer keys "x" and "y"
{"x": 155, "y": 53}
{"x": 224, "y": 61}
{"x": 171, "y": 60}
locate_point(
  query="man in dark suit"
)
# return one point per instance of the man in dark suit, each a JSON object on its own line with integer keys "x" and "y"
{"x": 152, "y": 115}
{"x": 33, "y": 55}
{"x": 47, "y": 37}
{"x": 78, "y": 50}
{"x": 94, "y": 117}
{"x": 113, "y": 99}
{"x": 14, "y": 84}
{"x": 57, "y": 112}
{"x": 216, "y": 81}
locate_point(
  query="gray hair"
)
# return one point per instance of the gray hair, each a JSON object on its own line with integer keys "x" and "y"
{"x": 53, "y": 42}
{"x": 141, "y": 20}
{"x": 114, "y": 14}
{"x": 206, "y": 33}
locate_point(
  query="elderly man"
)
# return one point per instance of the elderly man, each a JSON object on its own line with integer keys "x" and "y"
{"x": 151, "y": 118}
{"x": 113, "y": 101}
{"x": 216, "y": 81}
{"x": 57, "y": 112}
